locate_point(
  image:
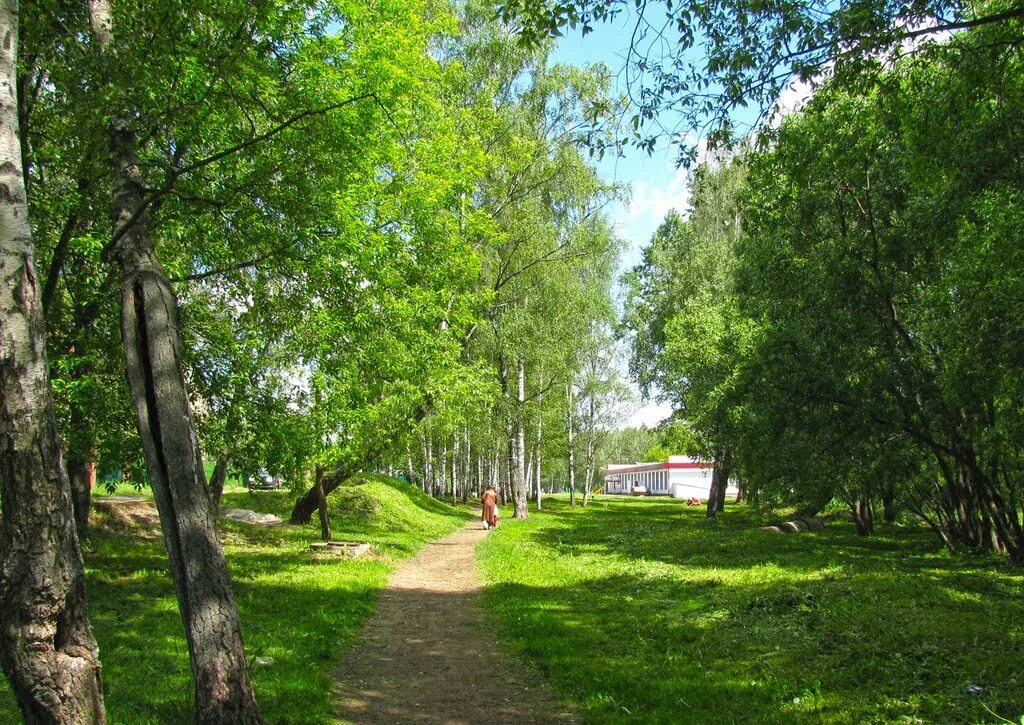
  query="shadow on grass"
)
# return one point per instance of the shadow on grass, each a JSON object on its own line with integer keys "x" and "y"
{"x": 644, "y": 612}
{"x": 675, "y": 533}
{"x": 294, "y": 609}
{"x": 297, "y": 609}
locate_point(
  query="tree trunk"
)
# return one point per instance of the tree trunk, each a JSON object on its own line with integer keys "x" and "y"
{"x": 570, "y": 424}
{"x": 442, "y": 485}
{"x": 591, "y": 461}
{"x": 47, "y": 645}
{"x": 889, "y": 504}
{"x": 861, "y": 509}
{"x": 80, "y": 476}
{"x": 325, "y": 518}
{"x": 536, "y": 458}
{"x": 302, "y": 511}
{"x": 410, "y": 471}
{"x": 174, "y": 462}
{"x": 724, "y": 474}
{"x": 719, "y": 482}
{"x": 520, "y": 495}
{"x": 480, "y": 473}
{"x": 152, "y": 345}
{"x": 217, "y": 480}
{"x": 468, "y": 471}
{"x": 81, "y": 456}
{"x": 428, "y": 464}
{"x": 588, "y": 482}
{"x": 495, "y": 470}
{"x": 456, "y": 462}
{"x": 528, "y": 468}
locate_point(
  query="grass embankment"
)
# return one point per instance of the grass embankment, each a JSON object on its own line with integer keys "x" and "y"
{"x": 295, "y": 609}
{"x": 644, "y": 612}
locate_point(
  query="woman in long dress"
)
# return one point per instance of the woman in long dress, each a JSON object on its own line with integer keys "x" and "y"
{"x": 490, "y": 508}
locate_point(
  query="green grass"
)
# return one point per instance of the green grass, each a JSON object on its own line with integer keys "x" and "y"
{"x": 298, "y": 610}
{"x": 645, "y": 612}
{"x": 114, "y": 487}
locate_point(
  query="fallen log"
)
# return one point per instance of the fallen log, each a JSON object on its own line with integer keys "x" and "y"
{"x": 812, "y": 523}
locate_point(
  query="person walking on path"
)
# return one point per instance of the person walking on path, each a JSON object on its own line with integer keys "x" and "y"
{"x": 490, "y": 508}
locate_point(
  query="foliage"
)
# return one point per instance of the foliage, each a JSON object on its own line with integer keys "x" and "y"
{"x": 645, "y": 612}
{"x": 693, "y": 68}
{"x": 828, "y": 315}
{"x": 629, "y": 445}
{"x": 881, "y": 338}
{"x": 547, "y": 254}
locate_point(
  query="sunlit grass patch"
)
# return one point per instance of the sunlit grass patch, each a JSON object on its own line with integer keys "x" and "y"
{"x": 645, "y": 612}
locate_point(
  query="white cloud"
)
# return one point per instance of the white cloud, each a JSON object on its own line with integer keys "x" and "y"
{"x": 652, "y": 201}
{"x": 649, "y": 415}
{"x": 795, "y": 95}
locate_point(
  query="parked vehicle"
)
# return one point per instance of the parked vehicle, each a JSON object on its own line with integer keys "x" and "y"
{"x": 263, "y": 481}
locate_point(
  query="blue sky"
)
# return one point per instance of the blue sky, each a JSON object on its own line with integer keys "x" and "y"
{"x": 656, "y": 184}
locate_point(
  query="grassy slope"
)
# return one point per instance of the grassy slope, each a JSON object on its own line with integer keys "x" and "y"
{"x": 644, "y": 612}
{"x": 298, "y": 610}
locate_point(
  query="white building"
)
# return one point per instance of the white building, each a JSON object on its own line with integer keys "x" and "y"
{"x": 678, "y": 477}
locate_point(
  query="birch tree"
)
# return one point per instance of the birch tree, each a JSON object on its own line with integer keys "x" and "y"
{"x": 47, "y": 645}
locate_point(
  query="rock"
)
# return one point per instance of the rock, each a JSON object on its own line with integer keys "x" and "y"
{"x": 351, "y": 549}
{"x": 772, "y": 529}
{"x": 793, "y": 527}
{"x": 245, "y": 516}
{"x": 815, "y": 524}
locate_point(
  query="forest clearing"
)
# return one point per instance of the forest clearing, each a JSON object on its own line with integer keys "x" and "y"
{"x": 304, "y": 282}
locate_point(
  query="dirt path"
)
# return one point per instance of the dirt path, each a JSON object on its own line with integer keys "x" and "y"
{"x": 425, "y": 657}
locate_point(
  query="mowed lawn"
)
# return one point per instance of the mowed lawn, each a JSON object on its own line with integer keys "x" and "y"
{"x": 298, "y": 611}
{"x": 642, "y": 611}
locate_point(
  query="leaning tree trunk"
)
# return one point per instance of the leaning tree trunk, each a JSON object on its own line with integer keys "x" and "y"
{"x": 217, "y": 480}
{"x": 302, "y": 511}
{"x": 325, "y": 517}
{"x": 152, "y": 345}
{"x": 46, "y": 643}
